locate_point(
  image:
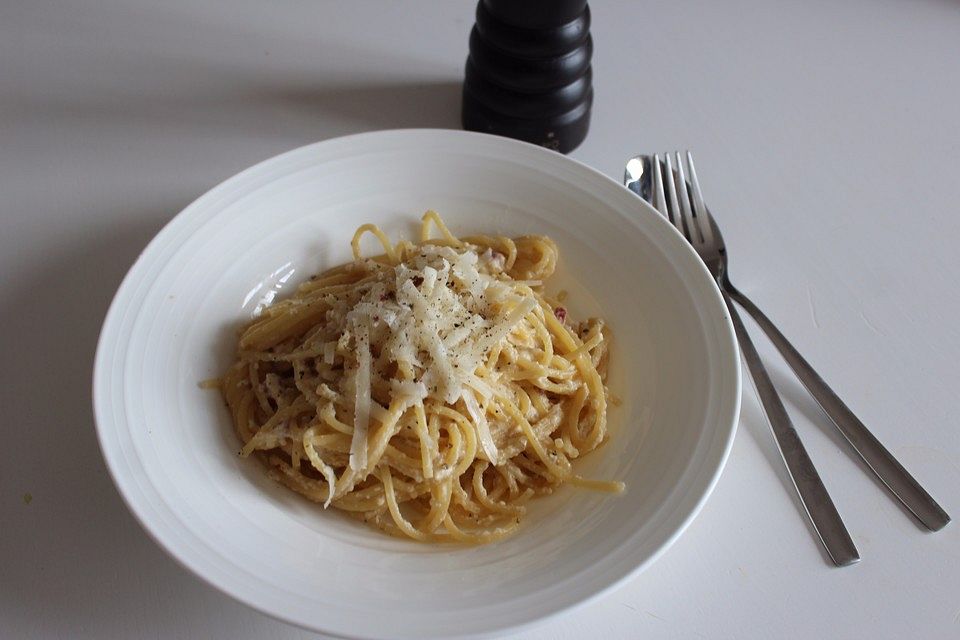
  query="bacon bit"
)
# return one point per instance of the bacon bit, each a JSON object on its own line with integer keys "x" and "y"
{"x": 561, "y": 314}
{"x": 495, "y": 259}
{"x": 417, "y": 281}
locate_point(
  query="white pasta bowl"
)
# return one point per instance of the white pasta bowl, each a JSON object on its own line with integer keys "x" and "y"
{"x": 172, "y": 451}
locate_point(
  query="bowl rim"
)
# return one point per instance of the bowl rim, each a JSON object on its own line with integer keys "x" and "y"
{"x": 138, "y": 502}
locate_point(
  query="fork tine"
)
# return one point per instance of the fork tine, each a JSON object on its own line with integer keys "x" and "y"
{"x": 702, "y": 216}
{"x": 659, "y": 199}
{"x": 672, "y": 205}
{"x": 684, "y": 197}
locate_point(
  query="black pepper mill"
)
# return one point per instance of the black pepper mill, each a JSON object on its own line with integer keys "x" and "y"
{"x": 528, "y": 74}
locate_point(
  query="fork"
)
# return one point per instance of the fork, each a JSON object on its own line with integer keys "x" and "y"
{"x": 683, "y": 205}
{"x": 690, "y": 210}
{"x": 708, "y": 243}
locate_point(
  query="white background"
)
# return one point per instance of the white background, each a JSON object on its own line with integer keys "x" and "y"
{"x": 828, "y": 142}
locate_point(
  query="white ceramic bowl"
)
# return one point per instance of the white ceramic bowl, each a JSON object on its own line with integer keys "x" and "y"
{"x": 172, "y": 451}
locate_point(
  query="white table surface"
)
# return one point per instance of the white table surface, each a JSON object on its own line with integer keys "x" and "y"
{"x": 828, "y": 141}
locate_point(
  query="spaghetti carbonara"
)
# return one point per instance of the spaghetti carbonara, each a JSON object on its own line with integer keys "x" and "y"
{"x": 430, "y": 391}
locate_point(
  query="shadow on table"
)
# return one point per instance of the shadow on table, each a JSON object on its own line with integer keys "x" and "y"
{"x": 298, "y": 112}
{"x": 432, "y": 104}
{"x": 73, "y": 560}
{"x": 74, "y": 563}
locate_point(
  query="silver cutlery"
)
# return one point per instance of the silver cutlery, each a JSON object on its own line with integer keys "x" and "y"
{"x": 679, "y": 199}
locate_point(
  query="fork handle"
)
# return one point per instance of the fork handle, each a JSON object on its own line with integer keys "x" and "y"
{"x": 820, "y": 508}
{"x": 900, "y": 483}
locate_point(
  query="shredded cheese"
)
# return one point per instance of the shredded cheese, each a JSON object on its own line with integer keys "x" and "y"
{"x": 436, "y": 317}
{"x": 361, "y": 412}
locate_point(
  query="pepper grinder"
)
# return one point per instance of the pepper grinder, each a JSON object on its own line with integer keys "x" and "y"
{"x": 528, "y": 74}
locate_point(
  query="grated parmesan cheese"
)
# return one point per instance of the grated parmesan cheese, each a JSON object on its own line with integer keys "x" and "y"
{"x": 437, "y": 316}
{"x": 361, "y": 418}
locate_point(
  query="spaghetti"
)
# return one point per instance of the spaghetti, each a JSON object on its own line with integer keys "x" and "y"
{"x": 430, "y": 391}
